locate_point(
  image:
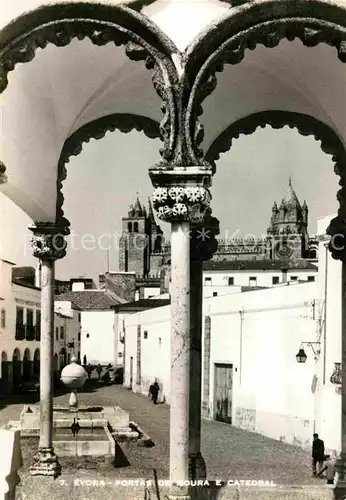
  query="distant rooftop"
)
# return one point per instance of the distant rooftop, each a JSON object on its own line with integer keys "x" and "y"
{"x": 89, "y": 300}
{"x": 142, "y": 304}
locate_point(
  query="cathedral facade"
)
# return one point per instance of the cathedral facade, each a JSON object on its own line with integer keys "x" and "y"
{"x": 143, "y": 250}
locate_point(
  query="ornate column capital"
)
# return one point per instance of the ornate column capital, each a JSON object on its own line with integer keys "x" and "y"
{"x": 337, "y": 243}
{"x": 203, "y": 243}
{"x": 48, "y": 242}
{"x": 182, "y": 193}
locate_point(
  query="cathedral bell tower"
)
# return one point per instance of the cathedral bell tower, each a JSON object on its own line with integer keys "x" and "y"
{"x": 133, "y": 243}
{"x": 288, "y": 231}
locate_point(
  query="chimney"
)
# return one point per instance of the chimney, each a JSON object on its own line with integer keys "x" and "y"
{"x": 38, "y": 275}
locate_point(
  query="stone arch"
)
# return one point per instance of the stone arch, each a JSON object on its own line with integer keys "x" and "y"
{"x": 16, "y": 370}
{"x": 36, "y": 364}
{"x": 266, "y": 23}
{"x": 330, "y": 142}
{"x": 26, "y": 365}
{"x": 97, "y": 129}
{"x": 102, "y": 24}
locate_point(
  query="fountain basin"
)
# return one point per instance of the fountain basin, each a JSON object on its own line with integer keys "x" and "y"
{"x": 90, "y": 441}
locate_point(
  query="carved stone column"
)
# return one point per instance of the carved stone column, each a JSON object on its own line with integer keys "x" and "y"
{"x": 48, "y": 245}
{"x": 182, "y": 198}
{"x": 337, "y": 247}
{"x": 202, "y": 247}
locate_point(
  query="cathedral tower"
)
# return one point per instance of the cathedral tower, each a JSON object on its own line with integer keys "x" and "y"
{"x": 140, "y": 237}
{"x": 288, "y": 231}
{"x": 133, "y": 244}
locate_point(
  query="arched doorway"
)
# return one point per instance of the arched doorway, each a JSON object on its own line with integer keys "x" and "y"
{"x": 26, "y": 365}
{"x": 4, "y": 373}
{"x": 36, "y": 367}
{"x": 62, "y": 358}
{"x": 16, "y": 370}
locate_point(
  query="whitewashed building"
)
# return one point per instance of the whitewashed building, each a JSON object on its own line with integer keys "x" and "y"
{"x": 251, "y": 377}
{"x": 20, "y": 328}
{"x": 98, "y": 342}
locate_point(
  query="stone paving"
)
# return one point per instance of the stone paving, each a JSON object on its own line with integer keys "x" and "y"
{"x": 230, "y": 453}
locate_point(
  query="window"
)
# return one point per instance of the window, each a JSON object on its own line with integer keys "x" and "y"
{"x": 231, "y": 281}
{"x": 145, "y": 334}
{"x": 275, "y": 280}
{"x": 20, "y": 328}
{"x": 293, "y": 278}
{"x": 129, "y": 227}
{"x": 135, "y": 227}
{"x": 160, "y": 341}
{"x": 3, "y": 318}
{"x": 78, "y": 336}
{"x": 79, "y": 317}
{"x": 62, "y": 333}
{"x": 56, "y": 333}
{"x": 207, "y": 281}
{"x": 311, "y": 278}
{"x": 38, "y": 325}
{"x": 30, "y": 330}
{"x": 214, "y": 294}
{"x": 253, "y": 281}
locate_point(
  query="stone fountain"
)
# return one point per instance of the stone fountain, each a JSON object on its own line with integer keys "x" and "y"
{"x": 74, "y": 377}
{"x": 81, "y": 431}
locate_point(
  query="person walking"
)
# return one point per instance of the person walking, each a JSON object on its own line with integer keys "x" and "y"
{"x": 317, "y": 454}
{"x": 99, "y": 370}
{"x": 154, "y": 391}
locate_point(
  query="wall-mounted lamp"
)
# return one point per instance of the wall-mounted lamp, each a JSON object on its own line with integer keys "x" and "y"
{"x": 301, "y": 356}
{"x": 336, "y": 378}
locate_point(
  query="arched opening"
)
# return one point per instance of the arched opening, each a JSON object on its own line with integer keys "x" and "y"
{"x": 36, "y": 366}
{"x": 129, "y": 227}
{"x": 16, "y": 370}
{"x": 26, "y": 366}
{"x": 135, "y": 227}
{"x": 4, "y": 373}
{"x": 62, "y": 358}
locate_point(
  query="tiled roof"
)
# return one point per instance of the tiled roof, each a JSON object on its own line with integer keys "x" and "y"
{"x": 143, "y": 304}
{"x": 258, "y": 265}
{"x": 89, "y": 300}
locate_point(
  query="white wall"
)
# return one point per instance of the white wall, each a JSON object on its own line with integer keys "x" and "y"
{"x": 242, "y": 278}
{"x": 268, "y": 380}
{"x": 100, "y": 346}
{"x": 151, "y": 292}
{"x": 155, "y": 360}
{"x": 329, "y": 402}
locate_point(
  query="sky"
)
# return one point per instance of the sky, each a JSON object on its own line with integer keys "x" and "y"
{"x": 103, "y": 181}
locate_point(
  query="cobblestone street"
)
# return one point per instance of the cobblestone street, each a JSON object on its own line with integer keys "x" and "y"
{"x": 230, "y": 453}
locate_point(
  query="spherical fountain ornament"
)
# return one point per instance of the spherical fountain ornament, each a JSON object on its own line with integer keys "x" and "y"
{"x": 74, "y": 377}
